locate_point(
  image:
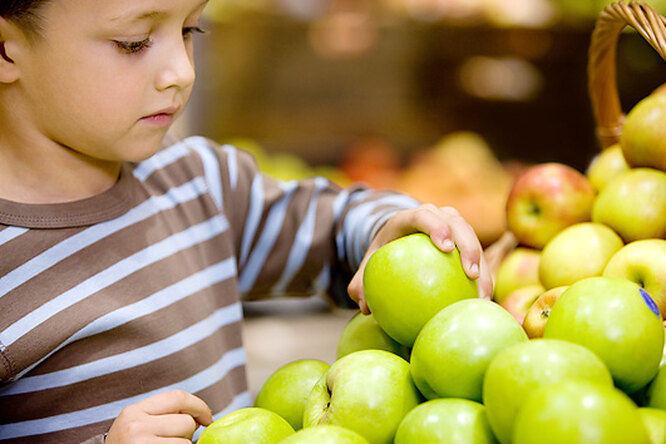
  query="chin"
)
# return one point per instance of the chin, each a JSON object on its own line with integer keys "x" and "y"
{"x": 142, "y": 150}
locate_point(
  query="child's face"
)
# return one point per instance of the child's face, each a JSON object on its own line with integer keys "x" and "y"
{"x": 109, "y": 76}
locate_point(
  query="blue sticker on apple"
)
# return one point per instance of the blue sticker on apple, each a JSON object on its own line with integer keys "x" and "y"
{"x": 649, "y": 301}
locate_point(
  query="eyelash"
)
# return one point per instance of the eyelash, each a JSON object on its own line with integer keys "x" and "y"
{"x": 134, "y": 47}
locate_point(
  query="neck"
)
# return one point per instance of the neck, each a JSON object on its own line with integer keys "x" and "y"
{"x": 38, "y": 171}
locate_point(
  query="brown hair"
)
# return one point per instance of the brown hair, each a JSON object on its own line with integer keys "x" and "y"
{"x": 24, "y": 13}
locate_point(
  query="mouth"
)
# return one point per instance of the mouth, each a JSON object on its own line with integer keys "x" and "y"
{"x": 162, "y": 117}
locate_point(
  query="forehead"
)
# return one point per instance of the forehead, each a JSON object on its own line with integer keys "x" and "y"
{"x": 122, "y": 11}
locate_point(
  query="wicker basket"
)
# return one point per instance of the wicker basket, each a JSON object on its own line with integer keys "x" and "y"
{"x": 602, "y": 84}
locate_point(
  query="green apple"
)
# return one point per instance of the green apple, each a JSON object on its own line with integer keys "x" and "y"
{"x": 368, "y": 391}
{"x": 362, "y": 332}
{"x": 407, "y": 281}
{"x": 618, "y": 321}
{"x": 519, "y": 301}
{"x": 634, "y": 205}
{"x": 655, "y": 424}
{"x": 452, "y": 351}
{"x": 446, "y": 421}
{"x": 544, "y": 200}
{"x": 642, "y": 262}
{"x": 606, "y": 166}
{"x": 286, "y": 390}
{"x": 325, "y": 434}
{"x": 579, "y": 251}
{"x": 537, "y": 315}
{"x": 250, "y": 425}
{"x": 579, "y": 412}
{"x": 518, "y": 370}
{"x": 663, "y": 356}
{"x": 655, "y": 395}
{"x": 519, "y": 268}
{"x": 643, "y": 137}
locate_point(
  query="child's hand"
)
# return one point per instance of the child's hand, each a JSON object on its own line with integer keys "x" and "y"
{"x": 446, "y": 228}
{"x": 170, "y": 417}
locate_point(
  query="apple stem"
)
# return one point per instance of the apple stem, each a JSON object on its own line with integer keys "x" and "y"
{"x": 534, "y": 209}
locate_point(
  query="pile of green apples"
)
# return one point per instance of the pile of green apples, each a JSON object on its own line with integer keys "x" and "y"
{"x": 569, "y": 350}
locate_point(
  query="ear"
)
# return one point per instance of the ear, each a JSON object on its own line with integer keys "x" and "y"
{"x": 9, "y": 33}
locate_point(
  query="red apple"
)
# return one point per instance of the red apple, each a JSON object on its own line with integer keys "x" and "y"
{"x": 546, "y": 199}
{"x": 519, "y": 268}
{"x": 519, "y": 301}
{"x": 538, "y": 313}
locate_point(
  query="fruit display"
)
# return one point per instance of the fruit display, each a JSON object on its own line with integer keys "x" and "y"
{"x": 570, "y": 348}
{"x": 474, "y": 374}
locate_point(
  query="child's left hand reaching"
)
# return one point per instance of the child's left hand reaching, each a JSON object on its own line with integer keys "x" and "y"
{"x": 447, "y": 229}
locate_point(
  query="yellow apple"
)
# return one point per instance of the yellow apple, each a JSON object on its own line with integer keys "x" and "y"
{"x": 578, "y": 252}
{"x": 605, "y": 166}
{"x": 643, "y": 137}
{"x": 634, "y": 204}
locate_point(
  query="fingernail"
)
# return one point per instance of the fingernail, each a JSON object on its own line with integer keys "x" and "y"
{"x": 474, "y": 269}
{"x": 448, "y": 245}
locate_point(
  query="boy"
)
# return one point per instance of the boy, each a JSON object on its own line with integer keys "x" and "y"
{"x": 121, "y": 264}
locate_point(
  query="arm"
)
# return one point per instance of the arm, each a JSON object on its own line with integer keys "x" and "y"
{"x": 292, "y": 235}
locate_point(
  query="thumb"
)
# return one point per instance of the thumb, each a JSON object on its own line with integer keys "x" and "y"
{"x": 355, "y": 290}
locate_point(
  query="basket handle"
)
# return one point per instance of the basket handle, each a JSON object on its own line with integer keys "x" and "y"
{"x": 602, "y": 83}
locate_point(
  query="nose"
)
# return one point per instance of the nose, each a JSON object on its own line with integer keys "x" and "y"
{"x": 178, "y": 69}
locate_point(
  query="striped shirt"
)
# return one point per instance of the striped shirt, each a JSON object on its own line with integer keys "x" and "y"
{"x": 112, "y": 299}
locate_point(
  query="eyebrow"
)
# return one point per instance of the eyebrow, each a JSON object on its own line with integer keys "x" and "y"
{"x": 131, "y": 18}
{"x": 137, "y": 18}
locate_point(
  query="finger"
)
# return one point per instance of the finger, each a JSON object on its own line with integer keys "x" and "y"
{"x": 173, "y": 441}
{"x": 426, "y": 218}
{"x": 355, "y": 287}
{"x": 177, "y": 401}
{"x": 174, "y": 425}
{"x": 468, "y": 244}
{"x": 485, "y": 281}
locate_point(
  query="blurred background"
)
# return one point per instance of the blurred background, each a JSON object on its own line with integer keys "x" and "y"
{"x": 447, "y": 100}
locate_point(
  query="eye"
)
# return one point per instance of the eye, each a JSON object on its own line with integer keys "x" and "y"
{"x": 189, "y": 30}
{"x": 133, "y": 46}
